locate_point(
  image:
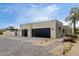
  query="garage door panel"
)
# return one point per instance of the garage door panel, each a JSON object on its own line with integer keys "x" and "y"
{"x": 42, "y": 32}
{"x": 24, "y": 32}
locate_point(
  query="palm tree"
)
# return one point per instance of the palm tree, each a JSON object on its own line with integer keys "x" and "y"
{"x": 73, "y": 18}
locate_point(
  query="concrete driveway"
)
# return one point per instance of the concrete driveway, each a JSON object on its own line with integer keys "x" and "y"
{"x": 22, "y": 46}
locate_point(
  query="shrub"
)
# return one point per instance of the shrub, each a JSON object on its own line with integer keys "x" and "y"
{"x": 66, "y": 47}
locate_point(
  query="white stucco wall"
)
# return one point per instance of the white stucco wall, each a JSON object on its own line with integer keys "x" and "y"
{"x": 19, "y": 33}
{"x": 9, "y": 33}
{"x": 45, "y": 24}
{"x": 54, "y": 26}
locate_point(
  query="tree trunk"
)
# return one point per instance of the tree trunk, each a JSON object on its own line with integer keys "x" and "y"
{"x": 74, "y": 27}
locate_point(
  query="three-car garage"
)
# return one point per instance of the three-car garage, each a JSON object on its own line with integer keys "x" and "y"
{"x": 39, "y": 32}
{"x": 46, "y": 29}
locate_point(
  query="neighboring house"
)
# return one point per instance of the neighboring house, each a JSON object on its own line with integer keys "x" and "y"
{"x": 67, "y": 30}
{"x": 49, "y": 29}
{"x": 77, "y": 31}
{"x": 11, "y": 32}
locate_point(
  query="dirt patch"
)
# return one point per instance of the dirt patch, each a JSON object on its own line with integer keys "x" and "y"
{"x": 43, "y": 42}
{"x": 74, "y": 51}
{"x": 57, "y": 51}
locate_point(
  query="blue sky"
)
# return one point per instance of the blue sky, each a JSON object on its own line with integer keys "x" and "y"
{"x": 16, "y": 14}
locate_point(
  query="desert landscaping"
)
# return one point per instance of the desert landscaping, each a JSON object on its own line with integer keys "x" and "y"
{"x": 39, "y": 29}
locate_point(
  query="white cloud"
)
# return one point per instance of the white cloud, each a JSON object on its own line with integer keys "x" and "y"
{"x": 77, "y": 25}
{"x": 35, "y": 14}
{"x": 64, "y": 22}
{"x": 51, "y": 8}
{"x": 67, "y": 23}
{"x": 41, "y": 19}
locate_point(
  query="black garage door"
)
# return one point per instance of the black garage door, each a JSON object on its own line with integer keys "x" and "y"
{"x": 41, "y": 32}
{"x": 24, "y": 32}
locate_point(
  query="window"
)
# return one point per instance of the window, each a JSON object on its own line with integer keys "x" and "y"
{"x": 63, "y": 31}
{"x": 52, "y": 29}
{"x": 59, "y": 27}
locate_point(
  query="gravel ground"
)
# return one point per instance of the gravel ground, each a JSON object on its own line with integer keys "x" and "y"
{"x": 7, "y": 46}
{"x": 21, "y": 46}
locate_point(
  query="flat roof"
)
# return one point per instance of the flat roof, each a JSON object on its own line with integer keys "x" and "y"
{"x": 41, "y": 22}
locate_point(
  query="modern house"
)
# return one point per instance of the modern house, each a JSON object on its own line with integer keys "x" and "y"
{"x": 49, "y": 29}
